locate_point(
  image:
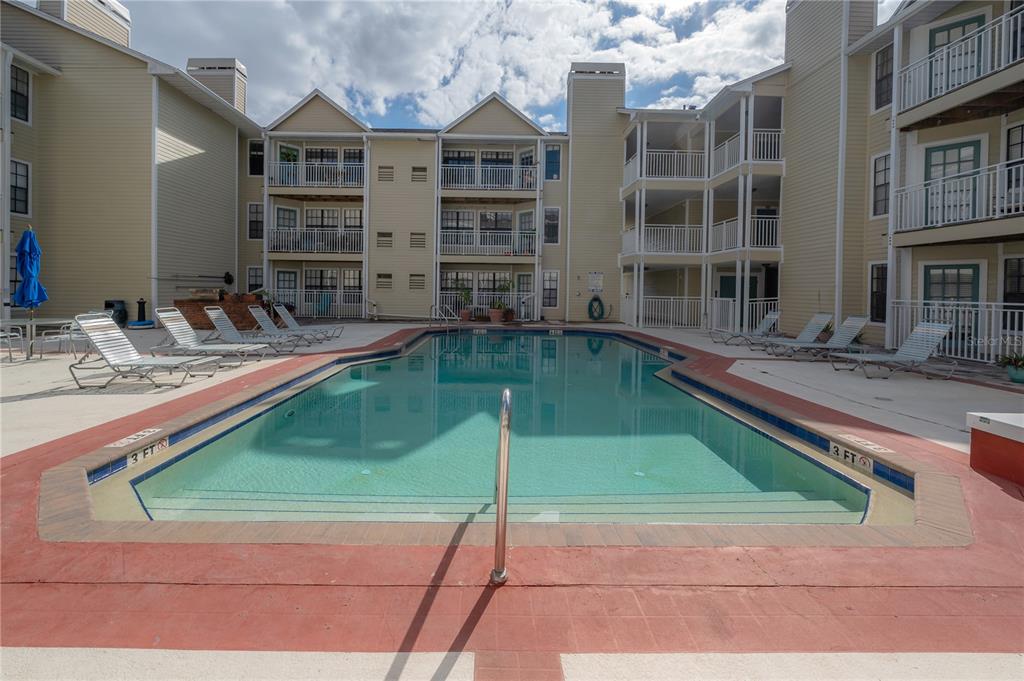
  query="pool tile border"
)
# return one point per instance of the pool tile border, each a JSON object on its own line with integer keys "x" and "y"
{"x": 65, "y": 508}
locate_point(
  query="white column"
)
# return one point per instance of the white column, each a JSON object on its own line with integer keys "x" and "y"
{"x": 367, "y": 205}
{"x": 895, "y": 159}
{"x": 538, "y": 238}
{"x": 643, "y": 149}
{"x": 5, "y": 182}
{"x": 268, "y": 216}
{"x": 636, "y": 296}
{"x": 750, "y": 136}
{"x": 744, "y": 130}
{"x": 736, "y": 314}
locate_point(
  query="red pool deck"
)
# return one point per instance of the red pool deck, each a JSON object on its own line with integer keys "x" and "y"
{"x": 587, "y": 598}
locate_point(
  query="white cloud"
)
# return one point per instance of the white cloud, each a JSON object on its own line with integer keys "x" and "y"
{"x": 439, "y": 58}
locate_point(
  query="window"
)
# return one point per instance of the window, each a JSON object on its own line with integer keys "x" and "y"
{"x": 255, "y": 220}
{"x": 19, "y": 93}
{"x": 458, "y": 157}
{"x": 552, "y": 216}
{"x": 883, "y": 77}
{"x": 322, "y": 218}
{"x": 254, "y": 279}
{"x": 880, "y": 186}
{"x": 1015, "y": 145}
{"x": 877, "y": 292}
{"x": 385, "y": 173}
{"x": 457, "y": 219}
{"x": 255, "y": 157}
{"x": 321, "y": 155}
{"x": 385, "y": 239}
{"x": 951, "y": 282}
{"x": 417, "y": 282}
{"x": 951, "y": 159}
{"x": 417, "y": 239}
{"x": 352, "y": 156}
{"x": 553, "y": 162}
{"x": 493, "y": 282}
{"x": 491, "y": 220}
{"x": 287, "y": 280}
{"x": 287, "y": 154}
{"x": 353, "y": 219}
{"x": 419, "y": 173}
{"x": 352, "y": 281}
{"x": 456, "y": 281}
{"x": 383, "y": 281}
{"x": 1013, "y": 280}
{"x": 19, "y": 187}
{"x": 287, "y": 218}
{"x": 321, "y": 279}
{"x": 549, "y": 294}
{"x": 526, "y": 158}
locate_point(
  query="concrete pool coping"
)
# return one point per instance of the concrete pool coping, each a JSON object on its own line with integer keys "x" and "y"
{"x": 66, "y": 511}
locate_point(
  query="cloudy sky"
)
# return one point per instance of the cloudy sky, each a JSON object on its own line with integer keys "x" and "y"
{"x": 410, "y": 64}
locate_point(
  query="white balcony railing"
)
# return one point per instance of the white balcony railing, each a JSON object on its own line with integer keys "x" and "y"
{"x": 680, "y": 239}
{"x": 725, "y": 236}
{"x": 726, "y": 155}
{"x": 315, "y": 241}
{"x": 985, "y": 194}
{"x": 498, "y": 178}
{"x": 631, "y": 171}
{"x": 757, "y": 308}
{"x": 992, "y": 47}
{"x": 981, "y": 332}
{"x": 671, "y": 312}
{"x": 671, "y": 163}
{"x": 630, "y": 243}
{"x": 764, "y": 231}
{"x": 722, "y": 312}
{"x": 767, "y": 145}
{"x": 331, "y": 303}
{"x": 480, "y": 302}
{"x": 322, "y": 175}
{"x": 466, "y": 242}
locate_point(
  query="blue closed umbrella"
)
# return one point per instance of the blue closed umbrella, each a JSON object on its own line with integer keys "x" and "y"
{"x": 30, "y": 294}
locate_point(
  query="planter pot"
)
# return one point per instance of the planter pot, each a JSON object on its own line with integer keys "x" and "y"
{"x": 1016, "y": 374}
{"x": 509, "y": 315}
{"x": 497, "y": 316}
{"x": 465, "y": 314}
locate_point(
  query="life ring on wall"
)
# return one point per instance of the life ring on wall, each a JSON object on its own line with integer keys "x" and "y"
{"x": 595, "y": 308}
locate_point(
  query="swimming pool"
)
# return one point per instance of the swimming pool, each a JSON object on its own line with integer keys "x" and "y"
{"x": 596, "y": 437}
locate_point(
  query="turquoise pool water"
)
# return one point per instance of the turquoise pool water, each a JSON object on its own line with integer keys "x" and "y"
{"x": 596, "y": 437}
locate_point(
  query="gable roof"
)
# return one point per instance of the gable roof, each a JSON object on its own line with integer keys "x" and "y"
{"x": 494, "y": 96}
{"x": 317, "y": 92}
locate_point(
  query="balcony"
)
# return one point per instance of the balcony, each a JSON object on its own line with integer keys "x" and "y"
{"x": 726, "y": 155}
{"x": 674, "y": 164}
{"x": 314, "y": 175}
{"x": 497, "y": 243}
{"x": 767, "y": 146}
{"x": 985, "y": 194}
{"x": 995, "y": 46}
{"x": 982, "y": 332}
{"x": 675, "y": 312}
{"x": 491, "y": 178}
{"x": 315, "y": 241}
{"x": 727, "y": 235}
{"x": 329, "y": 303}
{"x": 665, "y": 239}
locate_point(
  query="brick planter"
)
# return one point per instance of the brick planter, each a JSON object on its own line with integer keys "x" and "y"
{"x": 236, "y": 307}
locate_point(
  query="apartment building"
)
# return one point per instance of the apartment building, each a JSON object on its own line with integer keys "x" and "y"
{"x": 875, "y": 172}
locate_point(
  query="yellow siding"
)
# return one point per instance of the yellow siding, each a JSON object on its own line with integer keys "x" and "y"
{"x": 401, "y": 207}
{"x": 556, "y": 195}
{"x": 493, "y": 118}
{"x": 91, "y": 178}
{"x": 195, "y": 195}
{"x": 317, "y": 115}
{"x": 250, "y": 189}
{"x": 90, "y": 17}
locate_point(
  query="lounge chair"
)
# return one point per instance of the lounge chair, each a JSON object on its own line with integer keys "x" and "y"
{"x": 325, "y": 331}
{"x": 118, "y": 354}
{"x": 763, "y": 330}
{"x": 912, "y": 354}
{"x": 186, "y": 340}
{"x": 226, "y": 331}
{"x": 841, "y": 341}
{"x": 809, "y": 334}
{"x": 269, "y": 328}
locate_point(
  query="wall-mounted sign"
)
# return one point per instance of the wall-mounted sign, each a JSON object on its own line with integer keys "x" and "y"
{"x": 595, "y": 282}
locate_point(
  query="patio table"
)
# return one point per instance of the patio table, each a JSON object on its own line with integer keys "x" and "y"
{"x": 32, "y": 324}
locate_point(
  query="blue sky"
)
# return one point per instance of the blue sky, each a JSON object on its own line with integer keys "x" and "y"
{"x": 421, "y": 64}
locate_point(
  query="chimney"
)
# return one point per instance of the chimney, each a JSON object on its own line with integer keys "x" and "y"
{"x": 226, "y": 77}
{"x": 106, "y": 18}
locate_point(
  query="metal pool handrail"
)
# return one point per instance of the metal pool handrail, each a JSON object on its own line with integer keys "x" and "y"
{"x": 499, "y": 574}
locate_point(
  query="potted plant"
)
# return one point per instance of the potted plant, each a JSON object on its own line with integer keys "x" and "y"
{"x": 466, "y": 298}
{"x": 1014, "y": 363}
{"x": 497, "y": 312}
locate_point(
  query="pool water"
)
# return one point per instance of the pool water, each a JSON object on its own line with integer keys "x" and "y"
{"x": 596, "y": 437}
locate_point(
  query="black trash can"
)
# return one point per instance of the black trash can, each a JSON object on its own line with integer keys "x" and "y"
{"x": 120, "y": 315}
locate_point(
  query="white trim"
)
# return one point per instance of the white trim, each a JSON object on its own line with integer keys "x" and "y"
{"x": 322, "y": 267}
{"x": 1001, "y": 257}
{"x": 284, "y": 145}
{"x": 558, "y": 285}
{"x": 544, "y": 230}
{"x": 871, "y": 185}
{"x": 486, "y": 100}
{"x": 844, "y": 86}
{"x": 867, "y": 295}
{"x": 248, "y": 205}
{"x": 238, "y": 263}
{"x": 920, "y": 150}
{"x": 1004, "y": 136}
{"x": 28, "y": 202}
{"x": 248, "y": 154}
{"x": 982, "y": 274}
{"x": 319, "y": 147}
{"x": 29, "y": 62}
{"x": 248, "y": 270}
{"x": 31, "y": 96}
{"x": 285, "y": 269}
{"x": 561, "y": 163}
{"x": 872, "y": 77}
{"x": 317, "y": 92}
{"x": 277, "y": 208}
{"x": 154, "y": 233}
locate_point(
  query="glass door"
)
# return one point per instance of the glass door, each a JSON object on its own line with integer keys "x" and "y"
{"x": 960, "y": 60}
{"x": 952, "y": 187}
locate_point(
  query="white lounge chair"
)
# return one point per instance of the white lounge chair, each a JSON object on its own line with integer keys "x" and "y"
{"x": 119, "y": 355}
{"x": 186, "y": 340}
{"x": 809, "y": 334}
{"x": 841, "y": 341}
{"x": 912, "y": 354}
{"x": 763, "y": 330}
{"x": 324, "y": 331}
{"x": 226, "y": 331}
{"x": 268, "y": 327}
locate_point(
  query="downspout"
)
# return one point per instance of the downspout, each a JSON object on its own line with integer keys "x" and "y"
{"x": 268, "y": 218}
{"x": 894, "y": 175}
{"x": 366, "y": 226}
{"x": 5, "y": 183}
{"x": 568, "y": 199}
{"x": 237, "y": 231}
{"x": 154, "y": 288}
{"x": 437, "y": 221}
{"x": 837, "y": 311}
